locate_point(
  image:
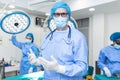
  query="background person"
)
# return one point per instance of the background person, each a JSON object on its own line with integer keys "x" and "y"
{"x": 109, "y": 57}
{"x": 25, "y": 66}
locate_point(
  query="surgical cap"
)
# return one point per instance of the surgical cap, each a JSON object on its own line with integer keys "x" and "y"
{"x": 60, "y": 5}
{"x": 115, "y": 36}
{"x": 30, "y": 35}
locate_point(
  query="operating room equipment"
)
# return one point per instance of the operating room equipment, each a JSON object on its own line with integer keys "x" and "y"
{"x": 15, "y": 21}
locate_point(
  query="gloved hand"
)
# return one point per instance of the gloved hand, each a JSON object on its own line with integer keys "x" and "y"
{"x": 30, "y": 70}
{"x": 107, "y": 72}
{"x": 52, "y": 65}
{"x": 32, "y": 58}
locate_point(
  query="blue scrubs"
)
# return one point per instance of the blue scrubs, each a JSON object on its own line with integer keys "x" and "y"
{"x": 110, "y": 57}
{"x": 73, "y": 55}
{"x": 25, "y": 64}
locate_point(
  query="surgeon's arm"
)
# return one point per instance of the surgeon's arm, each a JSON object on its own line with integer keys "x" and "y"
{"x": 101, "y": 60}
{"x": 80, "y": 63}
{"x": 16, "y": 43}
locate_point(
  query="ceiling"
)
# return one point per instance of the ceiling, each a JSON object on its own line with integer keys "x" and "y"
{"x": 80, "y": 8}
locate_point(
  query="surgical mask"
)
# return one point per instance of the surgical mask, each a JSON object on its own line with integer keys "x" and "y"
{"x": 28, "y": 41}
{"x": 116, "y": 46}
{"x": 60, "y": 22}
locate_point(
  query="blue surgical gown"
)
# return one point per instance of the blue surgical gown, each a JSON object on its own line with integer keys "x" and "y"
{"x": 109, "y": 57}
{"x": 72, "y": 54}
{"x": 25, "y": 64}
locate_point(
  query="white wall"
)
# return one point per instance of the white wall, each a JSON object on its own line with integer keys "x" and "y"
{"x": 7, "y": 49}
{"x": 101, "y": 27}
{"x": 97, "y": 34}
{"x": 113, "y": 21}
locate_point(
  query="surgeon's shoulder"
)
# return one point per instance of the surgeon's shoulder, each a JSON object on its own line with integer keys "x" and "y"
{"x": 78, "y": 34}
{"x": 107, "y": 48}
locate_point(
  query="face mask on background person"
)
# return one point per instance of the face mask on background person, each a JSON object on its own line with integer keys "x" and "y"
{"x": 116, "y": 46}
{"x": 28, "y": 41}
{"x": 60, "y": 22}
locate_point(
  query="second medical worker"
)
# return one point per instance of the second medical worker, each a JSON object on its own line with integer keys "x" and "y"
{"x": 109, "y": 57}
{"x": 25, "y": 66}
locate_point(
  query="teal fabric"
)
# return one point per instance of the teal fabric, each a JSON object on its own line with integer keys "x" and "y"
{"x": 89, "y": 72}
{"x": 31, "y": 76}
{"x": 103, "y": 77}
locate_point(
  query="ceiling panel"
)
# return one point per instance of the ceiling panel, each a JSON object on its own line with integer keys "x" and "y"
{"x": 79, "y": 7}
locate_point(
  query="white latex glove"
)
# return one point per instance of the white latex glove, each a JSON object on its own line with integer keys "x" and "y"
{"x": 107, "y": 72}
{"x": 32, "y": 58}
{"x": 30, "y": 70}
{"x": 52, "y": 65}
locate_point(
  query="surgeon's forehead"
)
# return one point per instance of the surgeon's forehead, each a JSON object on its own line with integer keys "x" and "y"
{"x": 61, "y": 10}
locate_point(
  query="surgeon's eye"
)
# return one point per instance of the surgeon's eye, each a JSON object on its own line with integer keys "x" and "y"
{"x": 117, "y": 42}
{"x": 60, "y": 14}
{"x": 29, "y": 38}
